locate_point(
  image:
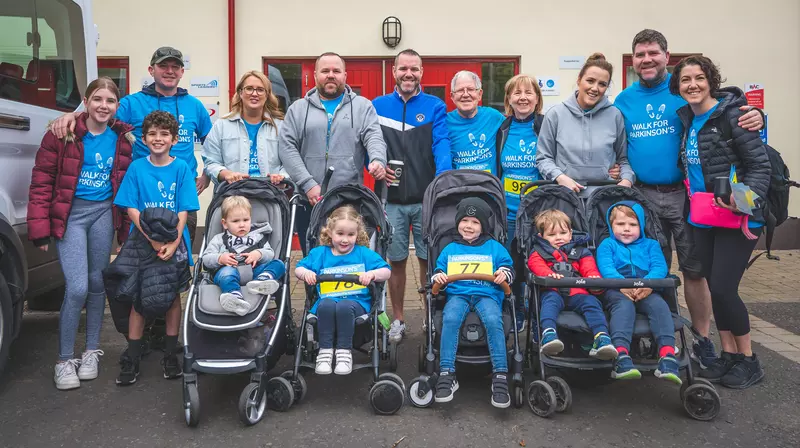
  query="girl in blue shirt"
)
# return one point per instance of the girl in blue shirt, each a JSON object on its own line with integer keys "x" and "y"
{"x": 342, "y": 251}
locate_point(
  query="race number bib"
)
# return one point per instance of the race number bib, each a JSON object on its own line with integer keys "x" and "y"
{"x": 340, "y": 288}
{"x": 470, "y": 264}
{"x": 514, "y": 186}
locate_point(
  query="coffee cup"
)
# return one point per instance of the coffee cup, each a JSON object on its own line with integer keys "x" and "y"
{"x": 722, "y": 189}
{"x": 397, "y": 167}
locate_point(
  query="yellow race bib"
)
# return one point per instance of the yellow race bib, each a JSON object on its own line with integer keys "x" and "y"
{"x": 470, "y": 264}
{"x": 514, "y": 186}
{"x": 332, "y": 289}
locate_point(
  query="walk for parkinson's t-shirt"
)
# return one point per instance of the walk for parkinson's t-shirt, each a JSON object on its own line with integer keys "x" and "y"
{"x": 94, "y": 182}
{"x": 473, "y": 140}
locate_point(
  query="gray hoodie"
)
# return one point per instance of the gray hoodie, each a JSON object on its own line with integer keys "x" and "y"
{"x": 306, "y": 152}
{"x": 583, "y": 145}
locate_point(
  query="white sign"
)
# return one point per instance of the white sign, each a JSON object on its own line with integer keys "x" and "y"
{"x": 213, "y": 111}
{"x": 187, "y": 61}
{"x": 204, "y": 86}
{"x": 571, "y": 62}
{"x": 147, "y": 80}
{"x": 549, "y": 85}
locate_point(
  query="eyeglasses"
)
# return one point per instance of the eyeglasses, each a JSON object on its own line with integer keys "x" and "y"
{"x": 259, "y": 90}
{"x": 468, "y": 90}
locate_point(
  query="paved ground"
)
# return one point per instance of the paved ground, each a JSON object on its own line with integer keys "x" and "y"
{"x": 336, "y": 413}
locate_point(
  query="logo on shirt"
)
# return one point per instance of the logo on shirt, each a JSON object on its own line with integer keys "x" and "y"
{"x": 420, "y": 118}
{"x": 656, "y": 125}
{"x": 693, "y": 138}
{"x": 479, "y": 142}
{"x": 165, "y": 197}
{"x": 655, "y": 115}
{"x": 97, "y": 178}
{"x": 527, "y": 149}
{"x": 167, "y": 194}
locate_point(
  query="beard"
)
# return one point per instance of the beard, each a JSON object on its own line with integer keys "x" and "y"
{"x": 399, "y": 83}
{"x": 321, "y": 88}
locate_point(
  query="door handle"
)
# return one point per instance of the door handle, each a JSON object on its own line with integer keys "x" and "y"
{"x": 15, "y": 122}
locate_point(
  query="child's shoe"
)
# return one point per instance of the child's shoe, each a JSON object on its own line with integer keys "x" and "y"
{"x": 551, "y": 345}
{"x": 624, "y": 369}
{"x": 669, "y": 369}
{"x": 65, "y": 376}
{"x": 172, "y": 368}
{"x": 446, "y": 387}
{"x": 89, "y": 364}
{"x": 234, "y": 302}
{"x": 500, "y": 397}
{"x": 602, "y": 348}
{"x": 263, "y": 284}
{"x": 324, "y": 362}
{"x": 129, "y": 370}
{"x": 344, "y": 362}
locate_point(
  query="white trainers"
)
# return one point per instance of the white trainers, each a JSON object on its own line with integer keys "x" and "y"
{"x": 65, "y": 376}
{"x": 263, "y": 286}
{"x": 324, "y": 362}
{"x": 233, "y": 303}
{"x": 90, "y": 361}
{"x": 396, "y": 331}
{"x": 344, "y": 362}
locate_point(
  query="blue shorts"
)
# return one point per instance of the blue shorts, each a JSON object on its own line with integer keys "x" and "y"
{"x": 401, "y": 217}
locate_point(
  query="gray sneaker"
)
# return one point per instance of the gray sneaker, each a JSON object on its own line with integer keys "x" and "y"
{"x": 65, "y": 376}
{"x": 396, "y": 331}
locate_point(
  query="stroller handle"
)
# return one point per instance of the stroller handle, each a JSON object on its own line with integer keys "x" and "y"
{"x": 346, "y": 278}
{"x": 484, "y": 277}
{"x": 585, "y": 183}
{"x": 615, "y": 283}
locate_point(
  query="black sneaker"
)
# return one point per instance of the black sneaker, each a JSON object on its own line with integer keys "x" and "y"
{"x": 172, "y": 368}
{"x": 745, "y": 373}
{"x": 717, "y": 368}
{"x": 129, "y": 371}
{"x": 500, "y": 397}
{"x": 446, "y": 386}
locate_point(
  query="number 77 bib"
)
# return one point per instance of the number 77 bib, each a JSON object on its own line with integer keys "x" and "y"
{"x": 470, "y": 264}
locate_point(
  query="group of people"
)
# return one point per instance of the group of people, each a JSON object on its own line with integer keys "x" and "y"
{"x": 668, "y": 134}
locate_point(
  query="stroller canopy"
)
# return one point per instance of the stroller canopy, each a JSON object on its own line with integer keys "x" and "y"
{"x": 603, "y": 198}
{"x": 366, "y": 203}
{"x": 543, "y": 198}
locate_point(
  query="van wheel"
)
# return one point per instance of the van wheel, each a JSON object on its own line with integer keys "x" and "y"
{"x": 6, "y": 322}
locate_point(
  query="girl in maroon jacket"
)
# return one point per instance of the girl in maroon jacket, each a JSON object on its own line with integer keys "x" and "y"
{"x": 73, "y": 185}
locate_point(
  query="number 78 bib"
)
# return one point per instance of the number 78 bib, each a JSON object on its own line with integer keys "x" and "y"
{"x": 470, "y": 264}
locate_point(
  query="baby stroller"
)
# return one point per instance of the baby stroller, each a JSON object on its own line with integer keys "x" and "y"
{"x": 220, "y": 342}
{"x": 439, "y": 229}
{"x": 551, "y": 393}
{"x": 387, "y": 394}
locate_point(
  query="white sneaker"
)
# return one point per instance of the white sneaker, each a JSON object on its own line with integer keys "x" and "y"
{"x": 65, "y": 376}
{"x": 324, "y": 362}
{"x": 396, "y": 331}
{"x": 90, "y": 361}
{"x": 344, "y": 362}
{"x": 263, "y": 286}
{"x": 233, "y": 303}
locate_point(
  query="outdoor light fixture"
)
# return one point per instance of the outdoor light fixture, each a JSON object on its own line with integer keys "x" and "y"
{"x": 392, "y": 31}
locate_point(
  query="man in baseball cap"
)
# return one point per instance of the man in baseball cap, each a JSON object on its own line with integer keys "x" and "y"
{"x": 165, "y": 53}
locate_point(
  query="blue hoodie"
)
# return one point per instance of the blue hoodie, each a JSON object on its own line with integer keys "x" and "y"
{"x": 640, "y": 259}
{"x": 192, "y": 116}
{"x": 484, "y": 256}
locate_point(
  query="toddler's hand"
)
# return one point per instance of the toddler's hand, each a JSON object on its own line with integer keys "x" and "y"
{"x": 227, "y": 259}
{"x": 440, "y": 278}
{"x": 629, "y": 293}
{"x": 252, "y": 258}
{"x": 500, "y": 277}
{"x": 555, "y": 275}
{"x": 310, "y": 278}
{"x": 645, "y": 292}
{"x": 366, "y": 278}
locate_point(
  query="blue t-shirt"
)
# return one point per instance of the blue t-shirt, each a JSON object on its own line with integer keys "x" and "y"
{"x": 94, "y": 183}
{"x": 473, "y": 140}
{"x": 487, "y": 258}
{"x": 330, "y": 108}
{"x": 697, "y": 181}
{"x": 321, "y": 260}
{"x": 172, "y": 186}
{"x": 518, "y": 161}
{"x": 654, "y": 132}
{"x": 252, "y": 133}
{"x": 192, "y": 116}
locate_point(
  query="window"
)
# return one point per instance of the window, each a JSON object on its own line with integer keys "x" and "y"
{"x": 437, "y": 91}
{"x": 287, "y": 82}
{"x": 494, "y": 76}
{"x": 631, "y": 76}
{"x": 42, "y": 54}
{"x": 118, "y": 69}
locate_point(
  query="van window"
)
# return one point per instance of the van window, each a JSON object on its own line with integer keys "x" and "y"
{"x": 42, "y": 53}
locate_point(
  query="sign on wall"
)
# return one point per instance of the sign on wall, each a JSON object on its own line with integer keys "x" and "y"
{"x": 213, "y": 111}
{"x": 571, "y": 62}
{"x": 549, "y": 85}
{"x": 754, "y": 92}
{"x": 204, "y": 86}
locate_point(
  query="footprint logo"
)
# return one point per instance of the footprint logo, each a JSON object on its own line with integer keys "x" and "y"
{"x": 162, "y": 190}
{"x": 526, "y": 149}
{"x": 171, "y": 195}
{"x": 103, "y": 166}
{"x": 167, "y": 194}
{"x": 478, "y": 143}
{"x": 655, "y": 115}
{"x": 693, "y": 138}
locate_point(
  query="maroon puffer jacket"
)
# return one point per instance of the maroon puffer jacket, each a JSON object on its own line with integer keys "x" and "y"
{"x": 55, "y": 179}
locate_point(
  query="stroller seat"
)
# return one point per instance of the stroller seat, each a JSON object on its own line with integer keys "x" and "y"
{"x": 472, "y": 333}
{"x": 209, "y": 295}
{"x": 641, "y": 327}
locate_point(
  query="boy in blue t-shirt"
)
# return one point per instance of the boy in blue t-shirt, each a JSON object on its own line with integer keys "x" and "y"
{"x": 158, "y": 180}
{"x": 475, "y": 252}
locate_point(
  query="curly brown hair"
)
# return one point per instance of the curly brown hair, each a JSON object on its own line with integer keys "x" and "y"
{"x": 709, "y": 68}
{"x": 161, "y": 120}
{"x": 344, "y": 213}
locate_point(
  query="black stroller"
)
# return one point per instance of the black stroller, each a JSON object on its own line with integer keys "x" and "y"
{"x": 439, "y": 229}
{"x": 387, "y": 394}
{"x": 551, "y": 393}
{"x": 220, "y": 342}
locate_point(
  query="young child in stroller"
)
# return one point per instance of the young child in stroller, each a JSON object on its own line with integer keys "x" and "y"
{"x": 627, "y": 253}
{"x": 343, "y": 249}
{"x": 559, "y": 252}
{"x": 475, "y": 247}
{"x": 241, "y": 243}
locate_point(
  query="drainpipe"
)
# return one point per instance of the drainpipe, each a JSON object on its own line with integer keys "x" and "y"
{"x": 231, "y": 48}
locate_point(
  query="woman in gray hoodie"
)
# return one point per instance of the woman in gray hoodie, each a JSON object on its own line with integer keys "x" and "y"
{"x": 583, "y": 138}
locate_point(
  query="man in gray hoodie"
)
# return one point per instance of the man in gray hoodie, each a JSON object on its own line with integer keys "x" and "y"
{"x": 330, "y": 126}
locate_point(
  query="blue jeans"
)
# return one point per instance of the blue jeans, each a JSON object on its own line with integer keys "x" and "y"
{"x": 337, "y": 318}
{"x": 228, "y": 279}
{"x": 623, "y": 315}
{"x": 455, "y": 311}
{"x": 584, "y": 304}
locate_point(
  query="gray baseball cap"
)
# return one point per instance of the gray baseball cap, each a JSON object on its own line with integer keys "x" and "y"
{"x": 164, "y": 53}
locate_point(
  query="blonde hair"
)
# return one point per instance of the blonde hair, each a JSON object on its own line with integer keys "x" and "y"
{"x": 344, "y": 213}
{"x": 233, "y": 202}
{"x": 624, "y": 210}
{"x": 523, "y": 80}
{"x": 552, "y": 218}
{"x": 271, "y": 109}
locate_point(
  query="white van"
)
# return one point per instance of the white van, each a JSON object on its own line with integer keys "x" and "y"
{"x": 47, "y": 56}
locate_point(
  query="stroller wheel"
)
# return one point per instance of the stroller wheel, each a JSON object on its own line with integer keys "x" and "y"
{"x": 563, "y": 393}
{"x": 701, "y": 401}
{"x": 420, "y": 393}
{"x": 695, "y": 380}
{"x": 300, "y": 387}
{"x": 191, "y": 404}
{"x": 250, "y": 410}
{"x": 518, "y": 397}
{"x": 386, "y": 397}
{"x": 393, "y": 356}
{"x": 541, "y": 398}
{"x": 392, "y": 377}
{"x": 280, "y": 394}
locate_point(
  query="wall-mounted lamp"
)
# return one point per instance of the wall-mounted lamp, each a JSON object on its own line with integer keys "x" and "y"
{"x": 392, "y": 31}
